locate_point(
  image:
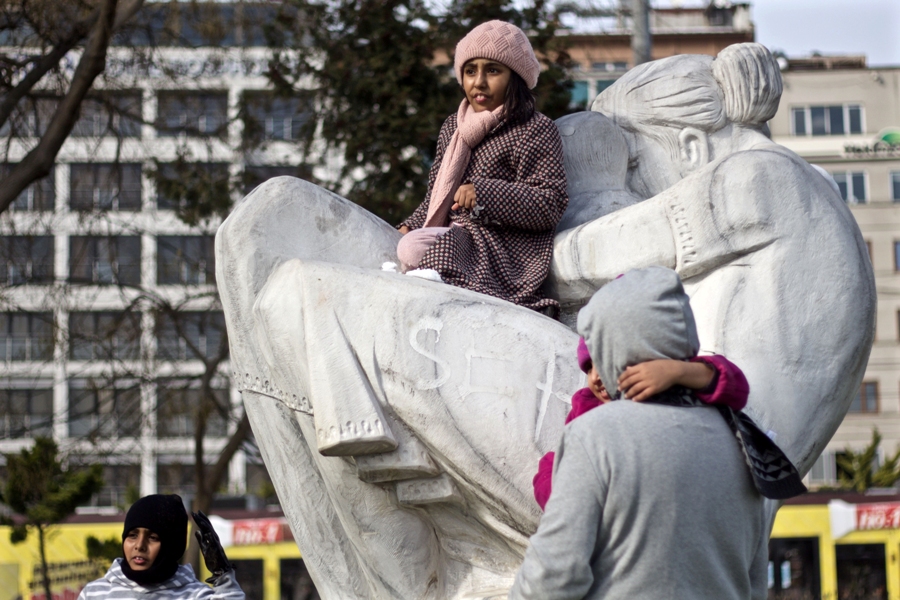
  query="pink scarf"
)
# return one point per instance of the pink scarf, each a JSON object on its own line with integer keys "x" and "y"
{"x": 471, "y": 127}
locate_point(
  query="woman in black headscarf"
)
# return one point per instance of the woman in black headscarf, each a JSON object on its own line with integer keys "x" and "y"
{"x": 153, "y": 540}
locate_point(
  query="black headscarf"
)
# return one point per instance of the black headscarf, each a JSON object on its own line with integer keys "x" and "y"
{"x": 164, "y": 515}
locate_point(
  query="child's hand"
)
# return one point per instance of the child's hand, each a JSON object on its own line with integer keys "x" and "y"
{"x": 403, "y": 230}
{"x": 464, "y": 197}
{"x": 647, "y": 379}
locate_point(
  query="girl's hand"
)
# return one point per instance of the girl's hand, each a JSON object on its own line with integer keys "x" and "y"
{"x": 647, "y": 379}
{"x": 464, "y": 197}
{"x": 403, "y": 230}
{"x": 639, "y": 382}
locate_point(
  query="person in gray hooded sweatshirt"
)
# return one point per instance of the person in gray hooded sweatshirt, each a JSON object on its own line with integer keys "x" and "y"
{"x": 650, "y": 500}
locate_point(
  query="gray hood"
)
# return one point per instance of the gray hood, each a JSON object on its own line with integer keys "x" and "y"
{"x": 643, "y": 315}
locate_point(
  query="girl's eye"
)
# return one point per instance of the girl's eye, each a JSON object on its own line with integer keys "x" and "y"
{"x": 154, "y": 537}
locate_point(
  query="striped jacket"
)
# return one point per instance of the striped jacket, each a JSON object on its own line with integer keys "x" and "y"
{"x": 182, "y": 585}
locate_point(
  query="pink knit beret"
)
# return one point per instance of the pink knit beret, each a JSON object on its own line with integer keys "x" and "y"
{"x": 500, "y": 41}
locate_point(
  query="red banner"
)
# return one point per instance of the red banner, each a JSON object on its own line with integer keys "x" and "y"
{"x": 257, "y": 531}
{"x": 885, "y": 515}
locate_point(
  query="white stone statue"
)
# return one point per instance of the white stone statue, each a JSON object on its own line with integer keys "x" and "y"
{"x": 402, "y": 420}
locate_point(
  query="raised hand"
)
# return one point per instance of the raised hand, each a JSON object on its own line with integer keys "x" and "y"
{"x": 210, "y": 547}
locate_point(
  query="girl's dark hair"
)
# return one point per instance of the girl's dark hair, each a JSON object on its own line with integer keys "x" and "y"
{"x": 519, "y": 103}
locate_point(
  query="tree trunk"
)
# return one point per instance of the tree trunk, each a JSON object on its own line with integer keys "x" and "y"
{"x": 206, "y": 488}
{"x": 45, "y": 572}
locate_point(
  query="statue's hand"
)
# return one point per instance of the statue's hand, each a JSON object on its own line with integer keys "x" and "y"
{"x": 211, "y": 547}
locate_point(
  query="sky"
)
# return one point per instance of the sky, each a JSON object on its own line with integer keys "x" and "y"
{"x": 799, "y": 27}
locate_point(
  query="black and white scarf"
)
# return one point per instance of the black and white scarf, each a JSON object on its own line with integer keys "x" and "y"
{"x": 774, "y": 475}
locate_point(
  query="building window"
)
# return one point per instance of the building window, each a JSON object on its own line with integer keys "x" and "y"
{"x": 114, "y": 114}
{"x": 178, "y": 404}
{"x": 101, "y": 409}
{"x": 839, "y": 119}
{"x": 176, "y": 477}
{"x": 39, "y": 196}
{"x": 177, "y": 184}
{"x": 254, "y": 176}
{"x": 823, "y": 470}
{"x": 105, "y": 187}
{"x": 794, "y": 568}
{"x": 861, "y": 571}
{"x": 852, "y": 186}
{"x": 203, "y": 114}
{"x": 104, "y": 260}
{"x": 26, "y": 336}
{"x": 104, "y": 335}
{"x": 895, "y": 186}
{"x": 270, "y": 117}
{"x": 185, "y": 259}
{"x": 602, "y": 84}
{"x": 578, "y": 96}
{"x": 191, "y": 335}
{"x": 26, "y": 413}
{"x": 28, "y": 259}
{"x": 30, "y": 118}
{"x": 866, "y": 399}
{"x": 121, "y": 486}
{"x": 610, "y": 67}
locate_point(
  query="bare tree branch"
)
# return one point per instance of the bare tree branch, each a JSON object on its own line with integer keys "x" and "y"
{"x": 217, "y": 473}
{"x": 45, "y": 64}
{"x": 38, "y": 162}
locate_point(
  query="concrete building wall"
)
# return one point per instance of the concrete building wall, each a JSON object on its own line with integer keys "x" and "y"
{"x": 877, "y": 211}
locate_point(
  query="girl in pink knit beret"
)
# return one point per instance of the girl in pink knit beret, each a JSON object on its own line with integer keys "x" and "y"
{"x": 497, "y": 188}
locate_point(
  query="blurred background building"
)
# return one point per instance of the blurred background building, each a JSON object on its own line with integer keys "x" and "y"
{"x": 112, "y": 340}
{"x": 845, "y": 117}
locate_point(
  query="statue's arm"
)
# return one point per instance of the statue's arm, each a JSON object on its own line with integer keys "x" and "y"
{"x": 588, "y": 256}
{"x": 558, "y": 560}
{"x": 537, "y": 199}
{"x": 693, "y": 227}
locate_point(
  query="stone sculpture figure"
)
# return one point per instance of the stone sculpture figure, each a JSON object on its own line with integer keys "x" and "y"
{"x": 402, "y": 420}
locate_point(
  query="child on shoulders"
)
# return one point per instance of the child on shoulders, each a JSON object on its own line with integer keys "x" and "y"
{"x": 714, "y": 380}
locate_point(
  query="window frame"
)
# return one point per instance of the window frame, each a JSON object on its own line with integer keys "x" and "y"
{"x": 34, "y": 423}
{"x": 165, "y": 334}
{"x": 121, "y": 341}
{"x": 108, "y": 115}
{"x": 846, "y": 107}
{"x": 863, "y": 399}
{"x": 37, "y": 269}
{"x": 193, "y": 120}
{"x": 32, "y": 340}
{"x": 172, "y": 251}
{"x": 124, "y": 422}
{"x": 98, "y": 266}
{"x": 848, "y": 177}
{"x": 258, "y": 108}
{"x": 179, "y": 424}
{"x": 116, "y": 173}
{"x": 39, "y": 196}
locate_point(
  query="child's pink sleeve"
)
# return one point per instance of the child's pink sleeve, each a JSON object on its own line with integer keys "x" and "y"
{"x": 542, "y": 480}
{"x": 582, "y": 401}
{"x": 728, "y": 387}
